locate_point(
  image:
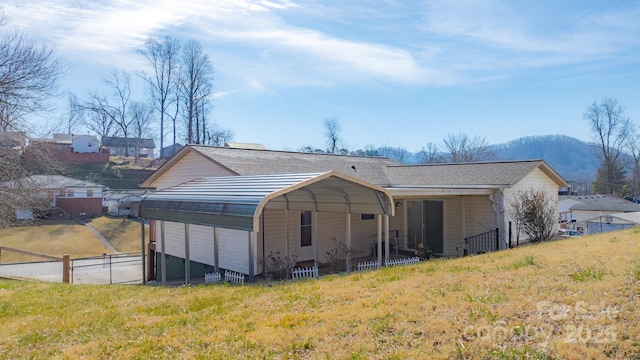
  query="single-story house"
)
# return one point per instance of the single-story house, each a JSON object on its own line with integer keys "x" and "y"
{"x": 223, "y": 208}
{"x": 68, "y": 196}
{"x": 576, "y": 211}
{"x": 120, "y": 146}
{"x": 77, "y": 143}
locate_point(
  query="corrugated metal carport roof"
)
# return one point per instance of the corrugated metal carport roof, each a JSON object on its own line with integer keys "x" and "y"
{"x": 237, "y": 201}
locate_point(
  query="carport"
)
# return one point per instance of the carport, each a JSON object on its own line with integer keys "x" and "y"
{"x": 237, "y": 202}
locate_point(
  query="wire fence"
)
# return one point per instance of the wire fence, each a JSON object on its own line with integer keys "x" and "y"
{"x": 105, "y": 269}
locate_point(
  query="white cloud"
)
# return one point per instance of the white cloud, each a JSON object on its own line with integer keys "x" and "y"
{"x": 458, "y": 42}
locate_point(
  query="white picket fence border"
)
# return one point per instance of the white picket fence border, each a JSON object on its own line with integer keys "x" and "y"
{"x": 233, "y": 277}
{"x": 212, "y": 278}
{"x": 304, "y": 272}
{"x": 403, "y": 261}
{"x": 368, "y": 265}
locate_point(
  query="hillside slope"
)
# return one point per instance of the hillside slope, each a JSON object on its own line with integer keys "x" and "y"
{"x": 574, "y": 299}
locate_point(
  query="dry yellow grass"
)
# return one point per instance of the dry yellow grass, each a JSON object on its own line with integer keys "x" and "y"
{"x": 575, "y": 298}
{"x": 124, "y": 236}
{"x": 51, "y": 237}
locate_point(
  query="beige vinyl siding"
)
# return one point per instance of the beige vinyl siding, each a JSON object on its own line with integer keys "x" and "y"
{"x": 453, "y": 226}
{"x": 192, "y": 166}
{"x": 536, "y": 180}
{"x": 479, "y": 215}
{"x": 331, "y": 225}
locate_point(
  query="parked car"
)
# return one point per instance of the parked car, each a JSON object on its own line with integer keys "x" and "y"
{"x": 569, "y": 233}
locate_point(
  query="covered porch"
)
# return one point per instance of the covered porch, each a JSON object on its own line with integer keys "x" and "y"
{"x": 236, "y": 222}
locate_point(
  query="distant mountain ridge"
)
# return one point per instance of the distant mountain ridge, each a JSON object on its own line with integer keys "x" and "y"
{"x": 573, "y": 159}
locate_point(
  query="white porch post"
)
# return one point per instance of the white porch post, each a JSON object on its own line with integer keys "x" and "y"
{"x": 349, "y": 249}
{"x": 286, "y": 237}
{"x": 163, "y": 259}
{"x": 216, "y": 257}
{"x": 405, "y": 222}
{"x": 386, "y": 237}
{"x": 379, "y": 245}
{"x": 187, "y": 265}
{"x": 314, "y": 236}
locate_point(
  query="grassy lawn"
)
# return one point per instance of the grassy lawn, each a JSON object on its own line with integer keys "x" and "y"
{"x": 124, "y": 236}
{"x": 574, "y": 298}
{"x": 59, "y": 237}
{"x": 52, "y": 237}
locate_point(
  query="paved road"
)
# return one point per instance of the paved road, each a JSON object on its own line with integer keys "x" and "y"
{"x": 108, "y": 270}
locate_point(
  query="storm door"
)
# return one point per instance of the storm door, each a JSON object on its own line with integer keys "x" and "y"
{"x": 426, "y": 224}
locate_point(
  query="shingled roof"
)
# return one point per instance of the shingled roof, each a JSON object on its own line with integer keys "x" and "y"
{"x": 265, "y": 162}
{"x": 376, "y": 170}
{"x": 602, "y": 203}
{"x": 489, "y": 174}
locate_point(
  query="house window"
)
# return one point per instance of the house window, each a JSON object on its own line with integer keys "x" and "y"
{"x": 89, "y": 192}
{"x": 69, "y": 193}
{"x": 305, "y": 228}
{"x": 367, "y": 216}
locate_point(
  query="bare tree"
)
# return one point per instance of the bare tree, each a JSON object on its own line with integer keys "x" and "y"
{"x": 73, "y": 115}
{"x": 535, "y": 213}
{"x": 332, "y": 129}
{"x": 196, "y": 87}
{"x": 394, "y": 153}
{"x": 119, "y": 83}
{"x": 633, "y": 147}
{"x": 461, "y": 148}
{"x": 612, "y": 130}
{"x": 218, "y": 136}
{"x": 163, "y": 58}
{"x": 97, "y": 117}
{"x": 429, "y": 154}
{"x": 112, "y": 109}
{"x": 29, "y": 74}
{"x": 140, "y": 123}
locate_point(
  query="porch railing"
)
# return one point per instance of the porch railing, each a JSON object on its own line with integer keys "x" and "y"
{"x": 482, "y": 243}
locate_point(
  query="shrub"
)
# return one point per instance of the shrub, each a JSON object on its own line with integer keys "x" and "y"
{"x": 275, "y": 266}
{"x": 337, "y": 256}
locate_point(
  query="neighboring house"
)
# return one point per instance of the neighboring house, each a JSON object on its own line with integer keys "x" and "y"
{"x": 119, "y": 146}
{"x": 169, "y": 151}
{"x": 577, "y": 211}
{"x": 222, "y": 208}
{"x": 69, "y": 196}
{"x": 77, "y": 143}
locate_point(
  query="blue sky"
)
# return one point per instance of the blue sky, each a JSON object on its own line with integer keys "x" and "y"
{"x": 397, "y": 73}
